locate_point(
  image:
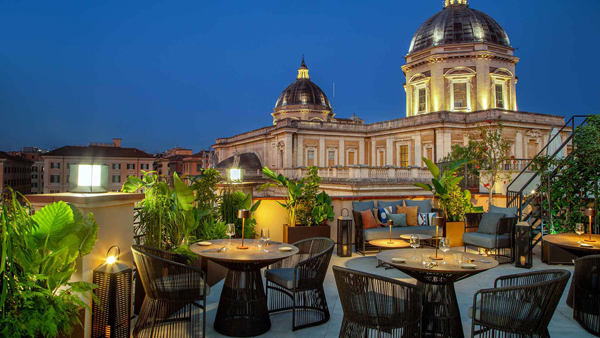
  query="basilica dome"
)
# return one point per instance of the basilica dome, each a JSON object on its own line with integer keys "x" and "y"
{"x": 303, "y": 92}
{"x": 457, "y": 23}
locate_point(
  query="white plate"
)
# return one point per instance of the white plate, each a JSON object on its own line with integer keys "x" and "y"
{"x": 285, "y": 248}
{"x": 468, "y": 266}
{"x": 586, "y": 245}
{"x": 399, "y": 260}
{"x": 204, "y": 243}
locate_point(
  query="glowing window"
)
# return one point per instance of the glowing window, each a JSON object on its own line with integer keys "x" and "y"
{"x": 403, "y": 156}
{"x": 422, "y": 99}
{"x": 499, "y": 96}
{"x": 460, "y": 95}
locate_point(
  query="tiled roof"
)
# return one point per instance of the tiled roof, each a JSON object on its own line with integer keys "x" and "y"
{"x": 4, "y": 155}
{"x": 95, "y": 151}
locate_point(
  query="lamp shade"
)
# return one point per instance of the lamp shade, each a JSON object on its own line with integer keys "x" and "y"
{"x": 243, "y": 213}
{"x": 590, "y": 212}
{"x": 88, "y": 178}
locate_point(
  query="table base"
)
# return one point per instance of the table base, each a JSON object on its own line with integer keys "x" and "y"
{"x": 441, "y": 316}
{"x": 242, "y": 310}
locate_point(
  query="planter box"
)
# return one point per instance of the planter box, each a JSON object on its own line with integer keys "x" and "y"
{"x": 455, "y": 231}
{"x": 298, "y": 233}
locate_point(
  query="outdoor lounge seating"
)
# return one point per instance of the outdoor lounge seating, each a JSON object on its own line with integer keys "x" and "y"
{"x": 363, "y": 236}
{"x": 296, "y": 283}
{"x": 586, "y": 293}
{"x": 373, "y": 305}
{"x": 172, "y": 291}
{"x": 519, "y": 305}
{"x": 495, "y": 233}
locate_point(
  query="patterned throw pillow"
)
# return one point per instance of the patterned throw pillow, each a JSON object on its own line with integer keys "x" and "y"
{"x": 398, "y": 219}
{"x": 426, "y": 218}
{"x": 411, "y": 215}
{"x": 382, "y": 214}
{"x": 368, "y": 219}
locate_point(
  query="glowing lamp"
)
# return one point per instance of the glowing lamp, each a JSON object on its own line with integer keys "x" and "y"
{"x": 112, "y": 311}
{"x": 344, "y": 234}
{"x": 590, "y": 212}
{"x": 244, "y": 215}
{"x": 235, "y": 175}
{"x": 88, "y": 178}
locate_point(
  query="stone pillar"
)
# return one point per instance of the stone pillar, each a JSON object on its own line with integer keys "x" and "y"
{"x": 483, "y": 84}
{"x": 437, "y": 87}
{"x": 373, "y": 153}
{"x": 361, "y": 151}
{"x": 342, "y": 153}
{"x": 519, "y": 145}
{"x": 321, "y": 152}
{"x": 300, "y": 148}
{"x": 389, "y": 147}
{"x": 288, "y": 155}
{"x": 417, "y": 149}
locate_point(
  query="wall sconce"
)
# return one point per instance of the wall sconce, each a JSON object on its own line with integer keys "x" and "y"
{"x": 244, "y": 215}
{"x": 235, "y": 175}
{"x": 112, "y": 311}
{"x": 590, "y": 212}
{"x": 88, "y": 178}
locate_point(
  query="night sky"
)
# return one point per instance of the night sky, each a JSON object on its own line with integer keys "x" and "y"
{"x": 182, "y": 73}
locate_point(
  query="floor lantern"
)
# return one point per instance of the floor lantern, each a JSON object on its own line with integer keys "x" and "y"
{"x": 344, "y": 234}
{"x": 112, "y": 310}
{"x": 523, "y": 238}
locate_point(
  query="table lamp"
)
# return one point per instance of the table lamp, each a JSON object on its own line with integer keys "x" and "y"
{"x": 437, "y": 222}
{"x": 243, "y": 214}
{"x": 391, "y": 224}
{"x": 590, "y": 212}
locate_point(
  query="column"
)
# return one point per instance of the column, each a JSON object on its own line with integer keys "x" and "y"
{"x": 519, "y": 145}
{"x": 321, "y": 152}
{"x": 288, "y": 151}
{"x": 437, "y": 89}
{"x": 342, "y": 153}
{"x": 373, "y": 153}
{"x": 361, "y": 151}
{"x": 417, "y": 149}
{"x": 300, "y": 153}
{"x": 389, "y": 147}
{"x": 483, "y": 84}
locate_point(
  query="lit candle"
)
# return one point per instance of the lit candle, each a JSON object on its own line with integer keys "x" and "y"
{"x": 522, "y": 260}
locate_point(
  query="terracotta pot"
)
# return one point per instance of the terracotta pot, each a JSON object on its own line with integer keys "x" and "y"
{"x": 299, "y": 232}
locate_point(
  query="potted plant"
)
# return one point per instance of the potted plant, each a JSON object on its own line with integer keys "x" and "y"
{"x": 307, "y": 210}
{"x": 38, "y": 255}
{"x": 452, "y": 200}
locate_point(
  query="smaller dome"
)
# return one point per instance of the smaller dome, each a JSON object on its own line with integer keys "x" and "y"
{"x": 303, "y": 92}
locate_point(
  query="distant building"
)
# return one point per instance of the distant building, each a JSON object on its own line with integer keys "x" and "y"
{"x": 196, "y": 163}
{"x": 121, "y": 162}
{"x": 37, "y": 169}
{"x": 15, "y": 172}
{"x": 182, "y": 161}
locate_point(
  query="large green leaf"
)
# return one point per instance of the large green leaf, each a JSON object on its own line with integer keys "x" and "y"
{"x": 439, "y": 189}
{"x": 54, "y": 220}
{"x": 132, "y": 184}
{"x": 433, "y": 168}
{"x": 185, "y": 195}
{"x": 423, "y": 186}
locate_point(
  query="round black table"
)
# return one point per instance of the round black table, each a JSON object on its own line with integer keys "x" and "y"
{"x": 242, "y": 310}
{"x": 441, "y": 316}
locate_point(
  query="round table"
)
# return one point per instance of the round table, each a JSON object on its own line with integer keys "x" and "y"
{"x": 421, "y": 237}
{"x": 385, "y": 244}
{"x": 441, "y": 316}
{"x": 242, "y": 310}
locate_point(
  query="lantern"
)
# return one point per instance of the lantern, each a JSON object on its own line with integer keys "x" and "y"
{"x": 112, "y": 310}
{"x": 523, "y": 237}
{"x": 88, "y": 178}
{"x": 344, "y": 234}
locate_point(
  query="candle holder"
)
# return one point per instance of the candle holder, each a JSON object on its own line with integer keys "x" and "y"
{"x": 243, "y": 214}
{"x": 590, "y": 212}
{"x": 437, "y": 221}
{"x": 391, "y": 224}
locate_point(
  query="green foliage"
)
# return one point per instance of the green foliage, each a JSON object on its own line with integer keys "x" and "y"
{"x": 445, "y": 186}
{"x": 322, "y": 211}
{"x": 38, "y": 259}
{"x": 290, "y": 190}
{"x": 308, "y": 198}
{"x": 234, "y": 200}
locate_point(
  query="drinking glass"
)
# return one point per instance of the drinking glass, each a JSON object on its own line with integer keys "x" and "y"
{"x": 259, "y": 244}
{"x": 414, "y": 243}
{"x": 230, "y": 231}
{"x": 458, "y": 258}
{"x": 579, "y": 229}
{"x": 264, "y": 236}
{"x": 425, "y": 259}
{"x": 444, "y": 246}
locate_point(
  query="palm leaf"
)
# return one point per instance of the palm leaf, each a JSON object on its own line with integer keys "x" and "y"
{"x": 423, "y": 186}
{"x": 433, "y": 168}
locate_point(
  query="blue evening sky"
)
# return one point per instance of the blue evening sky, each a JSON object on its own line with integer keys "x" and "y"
{"x": 182, "y": 73}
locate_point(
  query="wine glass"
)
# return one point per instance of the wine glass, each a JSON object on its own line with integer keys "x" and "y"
{"x": 264, "y": 236}
{"x": 414, "y": 243}
{"x": 230, "y": 231}
{"x": 579, "y": 230}
{"x": 444, "y": 246}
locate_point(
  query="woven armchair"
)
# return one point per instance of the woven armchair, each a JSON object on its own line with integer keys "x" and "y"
{"x": 172, "y": 291}
{"x": 374, "y": 304}
{"x": 586, "y": 293}
{"x": 296, "y": 283}
{"x": 501, "y": 243}
{"x": 519, "y": 305}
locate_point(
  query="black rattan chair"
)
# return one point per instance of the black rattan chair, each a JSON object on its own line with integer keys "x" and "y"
{"x": 374, "y": 305}
{"x": 172, "y": 291}
{"x": 519, "y": 305}
{"x": 586, "y": 293}
{"x": 501, "y": 243}
{"x": 296, "y": 283}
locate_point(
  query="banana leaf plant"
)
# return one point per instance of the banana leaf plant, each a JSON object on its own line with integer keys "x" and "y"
{"x": 290, "y": 190}
{"x": 444, "y": 186}
{"x": 322, "y": 212}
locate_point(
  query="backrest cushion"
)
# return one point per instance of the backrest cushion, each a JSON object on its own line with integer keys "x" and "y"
{"x": 424, "y": 206}
{"x": 382, "y": 214}
{"x": 368, "y": 219}
{"x": 398, "y": 219}
{"x": 411, "y": 214}
{"x": 426, "y": 219}
{"x": 488, "y": 223}
{"x": 362, "y": 206}
{"x": 508, "y": 212}
{"x": 385, "y": 204}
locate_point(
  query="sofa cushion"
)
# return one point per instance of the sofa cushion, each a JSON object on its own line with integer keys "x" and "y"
{"x": 425, "y": 219}
{"x": 508, "y": 212}
{"x": 411, "y": 215}
{"x": 382, "y": 214}
{"x": 382, "y": 233}
{"x": 487, "y": 241}
{"x": 385, "y": 204}
{"x": 424, "y": 205}
{"x": 362, "y": 206}
{"x": 489, "y": 222}
{"x": 282, "y": 277}
{"x": 398, "y": 219}
{"x": 368, "y": 219}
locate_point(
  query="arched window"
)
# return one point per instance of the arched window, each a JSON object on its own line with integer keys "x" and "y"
{"x": 459, "y": 85}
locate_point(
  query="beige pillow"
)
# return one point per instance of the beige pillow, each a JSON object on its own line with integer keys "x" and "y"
{"x": 411, "y": 214}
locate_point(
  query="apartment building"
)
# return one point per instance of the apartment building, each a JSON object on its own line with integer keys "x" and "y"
{"x": 15, "y": 172}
